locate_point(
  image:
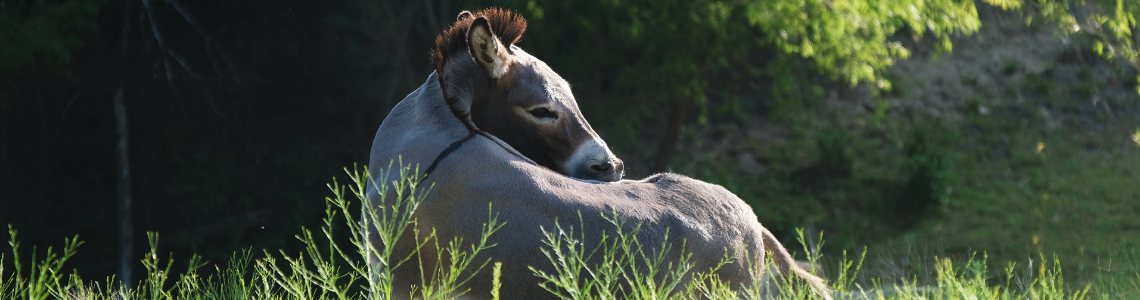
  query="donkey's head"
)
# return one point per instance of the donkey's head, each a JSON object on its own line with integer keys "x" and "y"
{"x": 494, "y": 87}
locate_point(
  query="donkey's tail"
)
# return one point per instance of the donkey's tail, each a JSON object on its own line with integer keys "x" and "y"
{"x": 788, "y": 266}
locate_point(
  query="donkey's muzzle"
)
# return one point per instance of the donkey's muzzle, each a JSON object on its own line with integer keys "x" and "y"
{"x": 611, "y": 169}
{"x": 594, "y": 161}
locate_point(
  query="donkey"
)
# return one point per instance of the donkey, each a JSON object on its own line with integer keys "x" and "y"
{"x": 494, "y": 124}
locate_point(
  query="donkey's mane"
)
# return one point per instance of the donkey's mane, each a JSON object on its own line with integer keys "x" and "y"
{"x": 506, "y": 25}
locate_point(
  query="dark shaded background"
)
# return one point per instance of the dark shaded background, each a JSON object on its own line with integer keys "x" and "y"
{"x": 231, "y": 150}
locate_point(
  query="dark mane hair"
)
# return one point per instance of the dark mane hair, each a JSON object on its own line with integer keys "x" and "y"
{"x": 506, "y": 25}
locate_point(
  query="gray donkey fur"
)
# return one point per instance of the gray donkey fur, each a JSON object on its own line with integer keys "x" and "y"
{"x": 529, "y": 197}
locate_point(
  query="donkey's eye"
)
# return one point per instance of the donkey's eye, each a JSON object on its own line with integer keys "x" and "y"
{"x": 543, "y": 113}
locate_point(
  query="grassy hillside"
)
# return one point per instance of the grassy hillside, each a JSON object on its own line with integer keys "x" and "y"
{"x": 1019, "y": 144}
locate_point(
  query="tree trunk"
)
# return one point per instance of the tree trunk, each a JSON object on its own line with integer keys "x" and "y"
{"x": 668, "y": 144}
{"x": 6, "y": 184}
{"x": 123, "y": 186}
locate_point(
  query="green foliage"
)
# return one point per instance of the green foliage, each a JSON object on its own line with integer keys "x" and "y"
{"x": 848, "y": 40}
{"x": 44, "y": 278}
{"x": 320, "y": 272}
{"x": 496, "y": 283}
{"x": 619, "y": 267}
{"x": 1114, "y": 23}
{"x": 41, "y": 33}
{"x": 625, "y": 268}
{"x": 927, "y": 161}
{"x": 373, "y": 264}
{"x": 632, "y": 61}
{"x": 835, "y": 149}
{"x": 155, "y": 286}
{"x": 851, "y": 40}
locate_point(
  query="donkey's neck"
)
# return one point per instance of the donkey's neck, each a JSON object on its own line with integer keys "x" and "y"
{"x": 458, "y": 102}
{"x": 416, "y": 130}
{"x": 427, "y": 127}
{"x": 429, "y": 108}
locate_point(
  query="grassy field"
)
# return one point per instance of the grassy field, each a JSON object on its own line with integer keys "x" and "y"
{"x": 332, "y": 268}
{"x": 1002, "y": 183}
{"x": 1018, "y": 146}
{"x": 1068, "y": 194}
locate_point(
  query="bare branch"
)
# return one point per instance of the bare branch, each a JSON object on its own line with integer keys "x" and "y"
{"x": 167, "y": 51}
{"x": 171, "y": 53}
{"x": 209, "y": 41}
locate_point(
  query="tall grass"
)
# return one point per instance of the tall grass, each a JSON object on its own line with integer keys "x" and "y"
{"x": 625, "y": 270}
{"x": 619, "y": 267}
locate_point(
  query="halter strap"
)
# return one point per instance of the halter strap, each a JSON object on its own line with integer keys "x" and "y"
{"x": 454, "y": 146}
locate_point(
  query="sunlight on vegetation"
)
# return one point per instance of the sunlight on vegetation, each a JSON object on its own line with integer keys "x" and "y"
{"x": 625, "y": 270}
{"x": 620, "y": 267}
{"x": 326, "y": 270}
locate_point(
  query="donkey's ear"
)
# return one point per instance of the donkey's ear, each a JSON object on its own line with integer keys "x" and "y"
{"x": 463, "y": 15}
{"x": 486, "y": 49}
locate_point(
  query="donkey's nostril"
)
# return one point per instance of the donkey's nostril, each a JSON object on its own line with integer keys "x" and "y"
{"x": 602, "y": 167}
{"x": 609, "y": 170}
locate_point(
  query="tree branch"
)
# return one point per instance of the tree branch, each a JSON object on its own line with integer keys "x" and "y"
{"x": 166, "y": 51}
{"x": 209, "y": 42}
{"x": 170, "y": 53}
{"x": 123, "y": 184}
